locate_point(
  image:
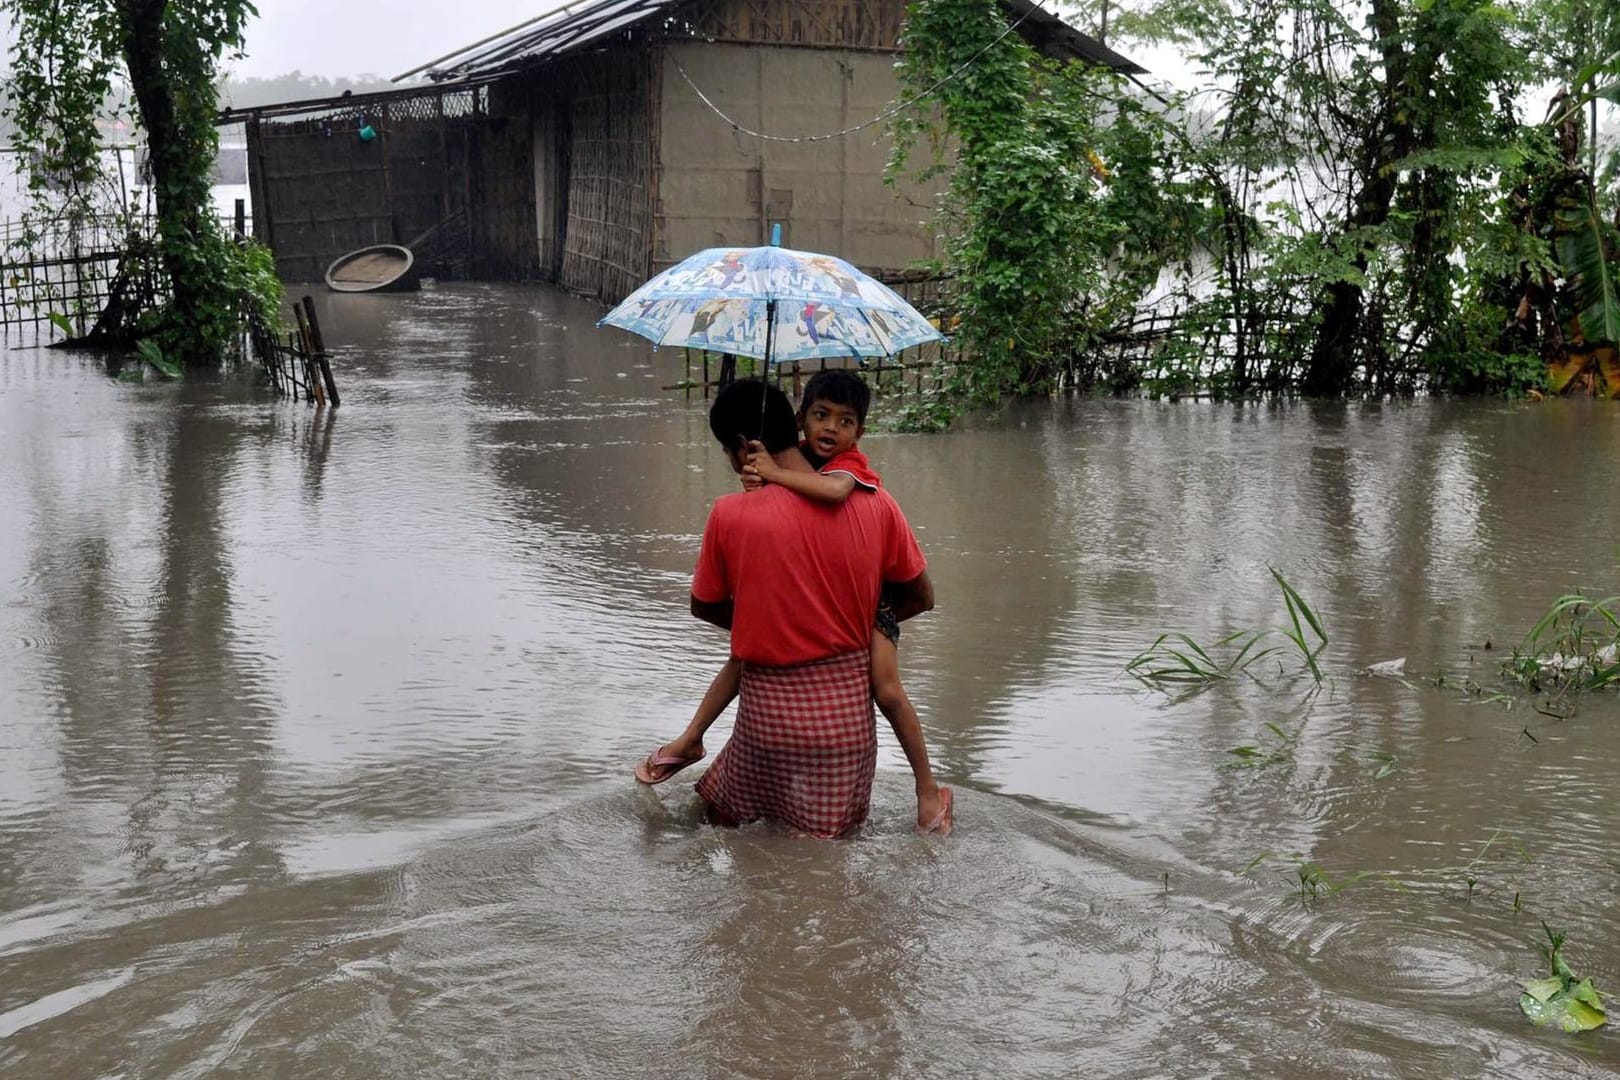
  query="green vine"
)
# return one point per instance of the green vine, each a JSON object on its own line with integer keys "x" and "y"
{"x": 1057, "y": 217}
{"x": 74, "y": 62}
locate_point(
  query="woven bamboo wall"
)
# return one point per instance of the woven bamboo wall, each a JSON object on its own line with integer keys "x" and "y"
{"x": 502, "y": 186}
{"x": 609, "y": 170}
{"x": 321, "y": 190}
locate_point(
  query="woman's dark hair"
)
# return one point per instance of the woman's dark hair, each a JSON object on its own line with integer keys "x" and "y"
{"x": 838, "y": 386}
{"x": 735, "y": 417}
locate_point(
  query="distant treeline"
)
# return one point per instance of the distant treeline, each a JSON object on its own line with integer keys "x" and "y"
{"x": 246, "y": 93}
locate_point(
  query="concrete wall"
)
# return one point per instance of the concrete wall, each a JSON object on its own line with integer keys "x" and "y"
{"x": 717, "y": 187}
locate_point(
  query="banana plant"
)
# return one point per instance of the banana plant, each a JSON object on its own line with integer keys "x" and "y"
{"x": 1582, "y": 239}
{"x": 1582, "y": 252}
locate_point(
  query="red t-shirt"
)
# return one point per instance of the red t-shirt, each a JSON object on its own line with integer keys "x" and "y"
{"x": 804, "y": 575}
{"x": 853, "y": 464}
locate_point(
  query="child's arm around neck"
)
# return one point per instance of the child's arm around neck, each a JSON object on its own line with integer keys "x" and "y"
{"x": 834, "y": 488}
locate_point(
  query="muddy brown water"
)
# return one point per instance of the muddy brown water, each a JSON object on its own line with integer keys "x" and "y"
{"x": 315, "y": 735}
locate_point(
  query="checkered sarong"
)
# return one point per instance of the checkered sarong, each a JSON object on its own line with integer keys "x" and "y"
{"x": 804, "y": 748}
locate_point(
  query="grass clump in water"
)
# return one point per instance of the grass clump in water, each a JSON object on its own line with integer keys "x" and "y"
{"x": 1573, "y": 648}
{"x": 1177, "y": 658}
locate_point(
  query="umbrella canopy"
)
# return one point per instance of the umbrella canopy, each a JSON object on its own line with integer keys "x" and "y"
{"x": 773, "y": 304}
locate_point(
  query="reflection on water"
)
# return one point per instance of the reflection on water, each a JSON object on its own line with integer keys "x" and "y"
{"x": 315, "y": 732}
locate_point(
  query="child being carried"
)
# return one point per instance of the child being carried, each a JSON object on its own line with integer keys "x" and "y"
{"x": 832, "y": 417}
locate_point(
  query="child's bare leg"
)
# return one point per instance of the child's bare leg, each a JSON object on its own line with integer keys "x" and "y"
{"x": 688, "y": 745}
{"x": 722, "y": 692}
{"x": 896, "y": 706}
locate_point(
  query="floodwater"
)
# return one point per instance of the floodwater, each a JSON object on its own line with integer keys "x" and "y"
{"x": 316, "y": 733}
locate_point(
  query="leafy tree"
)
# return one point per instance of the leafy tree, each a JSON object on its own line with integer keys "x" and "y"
{"x": 70, "y": 58}
{"x": 1045, "y": 253}
{"x": 1355, "y": 202}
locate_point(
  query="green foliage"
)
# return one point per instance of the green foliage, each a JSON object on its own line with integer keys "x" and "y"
{"x": 1570, "y": 1003}
{"x": 1047, "y": 249}
{"x": 1276, "y": 746}
{"x": 257, "y": 284}
{"x": 68, "y": 59}
{"x": 1482, "y": 370}
{"x": 1177, "y": 658}
{"x": 1583, "y": 248}
{"x": 152, "y": 353}
{"x": 1574, "y": 647}
{"x": 1355, "y": 204}
{"x": 926, "y": 413}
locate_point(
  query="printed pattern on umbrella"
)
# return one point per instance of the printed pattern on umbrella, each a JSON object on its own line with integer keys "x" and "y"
{"x": 718, "y": 299}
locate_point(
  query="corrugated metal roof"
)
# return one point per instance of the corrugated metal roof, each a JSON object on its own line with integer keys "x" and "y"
{"x": 575, "y": 25}
{"x": 545, "y": 37}
{"x": 1057, "y": 38}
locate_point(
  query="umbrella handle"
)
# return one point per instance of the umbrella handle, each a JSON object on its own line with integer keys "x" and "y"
{"x": 764, "y": 372}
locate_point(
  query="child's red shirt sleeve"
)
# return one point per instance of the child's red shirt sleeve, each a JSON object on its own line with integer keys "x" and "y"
{"x": 853, "y": 464}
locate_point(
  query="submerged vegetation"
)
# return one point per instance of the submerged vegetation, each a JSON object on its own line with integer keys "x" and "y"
{"x": 1310, "y": 880}
{"x": 1573, "y": 648}
{"x": 1370, "y": 200}
{"x": 1178, "y": 658}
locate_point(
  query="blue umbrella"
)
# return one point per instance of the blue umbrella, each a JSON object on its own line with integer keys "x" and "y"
{"x": 773, "y": 304}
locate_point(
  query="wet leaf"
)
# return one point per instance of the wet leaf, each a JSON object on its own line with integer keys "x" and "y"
{"x": 1542, "y": 989}
{"x": 1587, "y": 994}
{"x": 1564, "y": 1010}
{"x": 1573, "y": 1005}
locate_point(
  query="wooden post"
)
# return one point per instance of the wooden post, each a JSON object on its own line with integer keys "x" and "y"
{"x": 312, "y": 382}
{"x": 319, "y": 344}
{"x": 241, "y": 220}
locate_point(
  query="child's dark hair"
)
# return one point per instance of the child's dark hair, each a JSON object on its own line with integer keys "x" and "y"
{"x": 838, "y": 386}
{"x": 736, "y": 417}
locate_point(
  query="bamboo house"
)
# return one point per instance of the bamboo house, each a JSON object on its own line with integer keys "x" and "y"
{"x": 601, "y": 142}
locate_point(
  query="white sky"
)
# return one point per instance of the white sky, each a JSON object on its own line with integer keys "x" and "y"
{"x": 389, "y": 37}
{"x": 376, "y": 37}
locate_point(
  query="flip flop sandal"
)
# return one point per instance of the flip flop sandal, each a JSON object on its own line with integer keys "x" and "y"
{"x": 659, "y": 760}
